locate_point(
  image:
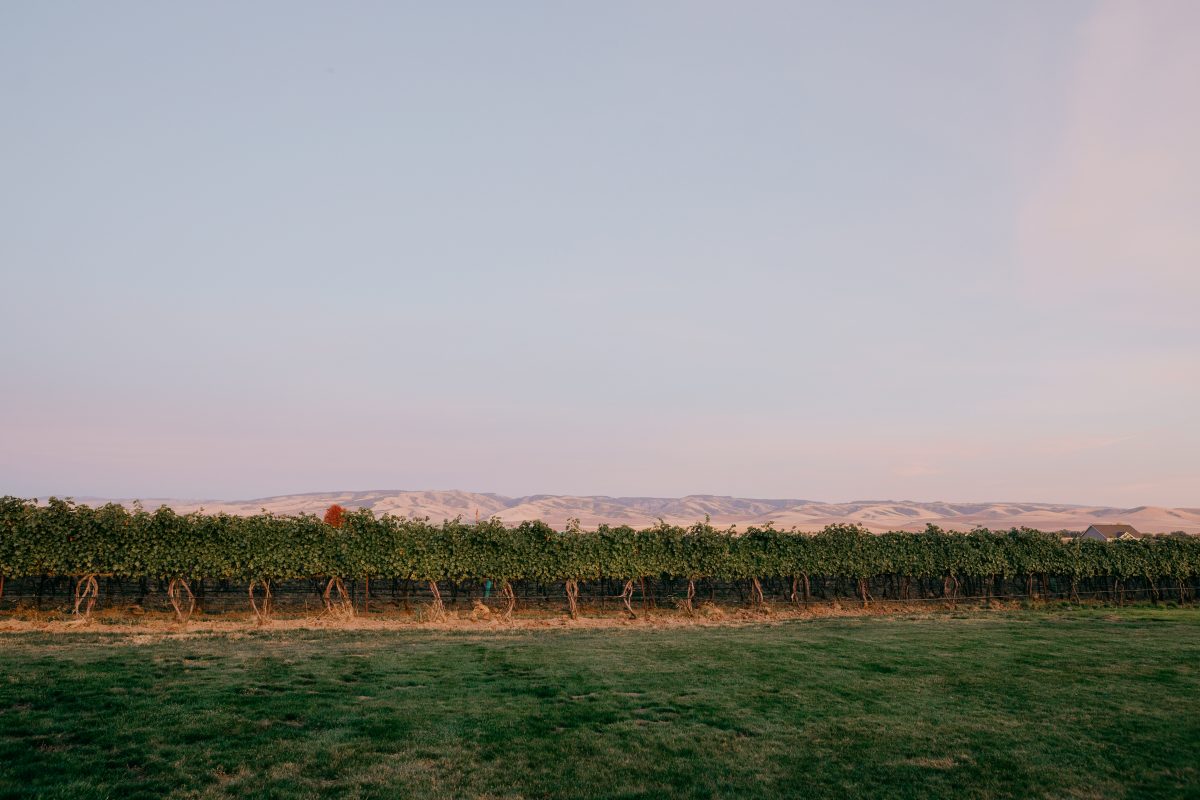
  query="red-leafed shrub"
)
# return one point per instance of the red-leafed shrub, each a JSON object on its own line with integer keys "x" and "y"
{"x": 334, "y": 515}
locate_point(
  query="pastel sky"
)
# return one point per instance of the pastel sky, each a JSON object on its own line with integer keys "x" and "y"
{"x": 833, "y": 250}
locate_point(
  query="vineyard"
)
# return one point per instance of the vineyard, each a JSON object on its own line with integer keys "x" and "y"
{"x": 263, "y": 558}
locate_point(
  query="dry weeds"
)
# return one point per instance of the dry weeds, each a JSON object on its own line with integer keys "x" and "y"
{"x": 136, "y": 621}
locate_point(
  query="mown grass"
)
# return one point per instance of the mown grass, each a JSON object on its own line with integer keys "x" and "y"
{"x": 1100, "y": 703}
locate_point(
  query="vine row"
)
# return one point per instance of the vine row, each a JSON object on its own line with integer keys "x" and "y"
{"x": 62, "y": 538}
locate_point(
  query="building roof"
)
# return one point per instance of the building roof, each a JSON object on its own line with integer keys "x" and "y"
{"x": 1113, "y": 531}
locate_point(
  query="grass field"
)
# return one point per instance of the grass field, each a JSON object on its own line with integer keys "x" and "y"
{"x": 1092, "y": 703}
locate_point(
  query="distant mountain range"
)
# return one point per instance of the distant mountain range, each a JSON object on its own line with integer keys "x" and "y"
{"x": 877, "y": 515}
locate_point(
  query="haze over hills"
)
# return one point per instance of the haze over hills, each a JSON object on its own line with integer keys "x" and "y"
{"x": 555, "y": 510}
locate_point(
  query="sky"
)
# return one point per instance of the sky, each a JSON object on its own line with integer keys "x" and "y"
{"x": 819, "y": 250}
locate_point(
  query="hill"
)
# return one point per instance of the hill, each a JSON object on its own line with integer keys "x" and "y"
{"x": 876, "y": 515}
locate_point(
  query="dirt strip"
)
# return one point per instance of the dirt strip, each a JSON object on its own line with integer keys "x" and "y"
{"x": 167, "y": 624}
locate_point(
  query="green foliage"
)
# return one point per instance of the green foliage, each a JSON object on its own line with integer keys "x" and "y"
{"x": 64, "y": 538}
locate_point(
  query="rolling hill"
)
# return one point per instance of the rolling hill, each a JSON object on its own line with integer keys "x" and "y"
{"x": 878, "y": 515}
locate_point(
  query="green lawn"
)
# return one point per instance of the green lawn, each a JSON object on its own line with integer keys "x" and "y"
{"x": 1096, "y": 703}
